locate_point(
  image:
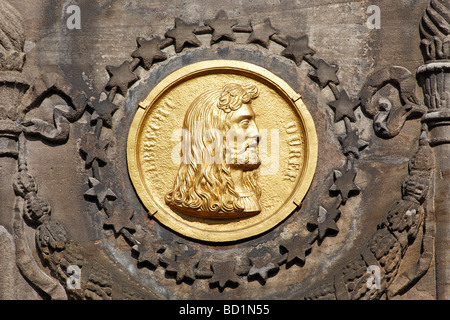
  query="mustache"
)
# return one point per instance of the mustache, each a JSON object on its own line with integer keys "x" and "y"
{"x": 247, "y": 156}
{"x": 250, "y": 143}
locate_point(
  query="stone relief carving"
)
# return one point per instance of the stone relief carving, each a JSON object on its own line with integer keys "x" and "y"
{"x": 20, "y": 95}
{"x": 185, "y": 264}
{"x": 386, "y": 247}
{"x": 433, "y": 77}
{"x": 388, "y": 117}
{"x": 434, "y": 31}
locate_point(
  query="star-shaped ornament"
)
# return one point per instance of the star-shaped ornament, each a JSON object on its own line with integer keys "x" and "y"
{"x": 297, "y": 49}
{"x": 261, "y": 33}
{"x": 121, "y": 219}
{"x": 149, "y": 51}
{"x": 183, "y": 267}
{"x": 222, "y": 27}
{"x": 351, "y": 143}
{"x": 183, "y": 35}
{"x": 344, "y": 184}
{"x": 262, "y": 266}
{"x": 99, "y": 191}
{"x": 296, "y": 249}
{"x": 121, "y": 77}
{"x": 93, "y": 148}
{"x": 324, "y": 73}
{"x": 203, "y": 270}
{"x": 104, "y": 110}
{"x": 149, "y": 253}
{"x": 326, "y": 221}
{"x": 344, "y": 106}
{"x": 224, "y": 275}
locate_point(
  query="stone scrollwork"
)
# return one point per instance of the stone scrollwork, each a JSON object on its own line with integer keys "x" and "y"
{"x": 379, "y": 103}
{"x": 22, "y": 92}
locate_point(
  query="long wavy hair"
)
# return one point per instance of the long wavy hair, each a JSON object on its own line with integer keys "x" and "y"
{"x": 204, "y": 184}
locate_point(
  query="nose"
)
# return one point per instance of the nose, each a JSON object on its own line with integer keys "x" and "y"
{"x": 254, "y": 133}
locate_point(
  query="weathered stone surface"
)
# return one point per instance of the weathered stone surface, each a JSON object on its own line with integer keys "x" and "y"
{"x": 67, "y": 199}
{"x": 7, "y": 265}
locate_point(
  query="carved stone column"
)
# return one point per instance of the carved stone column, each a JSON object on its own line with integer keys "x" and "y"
{"x": 13, "y": 85}
{"x": 434, "y": 77}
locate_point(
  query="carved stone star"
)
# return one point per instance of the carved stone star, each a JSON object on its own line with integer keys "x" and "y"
{"x": 297, "y": 49}
{"x": 104, "y": 110}
{"x": 224, "y": 274}
{"x": 344, "y": 184}
{"x": 344, "y": 107}
{"x": 261, "y": 33}
{"x": 121, "y": 219}
{"x": 93, "y": 148}
{"x": 121, "y": 77}
{"x": 222, "y": 27}
{"x": 149, "y": 51}
{"x": 324, "y": 73}
{"x": 149, "y": 253}
{"x": 99, "y": 191}
{"x": 183, "y": 35}
{"x": 351, "y": 143}
{"x": 296, "y": 249}
{"x": 203, "y": 270}
{"x": 183, "y": 267}
{"x": 262, "y": 266}
{"x": 326, "y": 221}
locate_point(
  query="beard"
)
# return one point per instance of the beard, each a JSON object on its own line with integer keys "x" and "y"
{"x": 246, "y": 158}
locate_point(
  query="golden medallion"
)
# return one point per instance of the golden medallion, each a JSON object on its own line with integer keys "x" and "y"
{"x": 222, "y": 150}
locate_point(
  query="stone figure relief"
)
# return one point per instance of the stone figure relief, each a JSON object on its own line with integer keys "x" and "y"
{"x": 218, "y": 174}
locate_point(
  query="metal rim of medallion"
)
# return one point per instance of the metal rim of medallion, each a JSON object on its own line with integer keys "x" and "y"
{"x": 233, "y": 231}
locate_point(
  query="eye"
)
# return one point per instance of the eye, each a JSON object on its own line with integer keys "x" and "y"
{"x": 245, "y": 123}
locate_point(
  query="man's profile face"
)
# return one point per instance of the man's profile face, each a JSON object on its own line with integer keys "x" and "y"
{"x": 243, "y": 138}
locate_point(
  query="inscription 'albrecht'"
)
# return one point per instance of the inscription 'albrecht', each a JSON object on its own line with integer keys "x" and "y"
{"x": 150, "y": 143}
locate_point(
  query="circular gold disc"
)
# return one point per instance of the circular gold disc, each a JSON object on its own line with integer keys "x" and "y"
{"x": 184, "y": 193}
